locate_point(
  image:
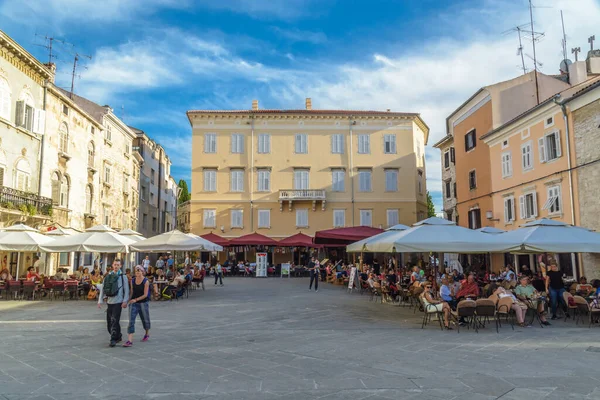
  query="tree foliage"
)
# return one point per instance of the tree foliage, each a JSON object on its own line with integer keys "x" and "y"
{"x": 185, "y": 193}
{"x": 430, "y": 206}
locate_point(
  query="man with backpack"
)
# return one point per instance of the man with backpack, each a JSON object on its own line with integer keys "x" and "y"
{"x": 115, "y": 289}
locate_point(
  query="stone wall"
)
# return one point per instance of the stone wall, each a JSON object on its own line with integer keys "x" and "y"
{"x": 448, "y": 174}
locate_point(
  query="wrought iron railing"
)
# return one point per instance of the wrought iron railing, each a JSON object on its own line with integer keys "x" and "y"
{"x": 302, "y": 194}
{"x": 25, "y": 202}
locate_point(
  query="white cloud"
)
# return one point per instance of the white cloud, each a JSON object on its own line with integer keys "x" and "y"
{"x": 298, "y": 35}
{"x": 270, "y": 9}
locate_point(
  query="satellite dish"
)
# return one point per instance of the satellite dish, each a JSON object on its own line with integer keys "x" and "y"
{"x": 564, "y": 65}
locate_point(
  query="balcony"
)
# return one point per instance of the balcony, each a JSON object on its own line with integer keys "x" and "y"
{"x": 30, "y": 203}
{"x": 291, "y": 195}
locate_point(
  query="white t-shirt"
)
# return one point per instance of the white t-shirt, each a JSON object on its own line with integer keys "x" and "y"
{"x": 146, "y": 264}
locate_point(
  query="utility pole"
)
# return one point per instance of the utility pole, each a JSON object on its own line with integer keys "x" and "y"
{"x": 76, "y": 59}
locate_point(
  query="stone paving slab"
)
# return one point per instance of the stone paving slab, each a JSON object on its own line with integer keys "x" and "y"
{"x": 273, "y": 339}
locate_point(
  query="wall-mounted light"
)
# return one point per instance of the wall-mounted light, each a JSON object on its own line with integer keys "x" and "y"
{"x": 222, "y": 228}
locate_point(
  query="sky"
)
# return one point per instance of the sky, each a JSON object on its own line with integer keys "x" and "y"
{"x": 153, "y": 60}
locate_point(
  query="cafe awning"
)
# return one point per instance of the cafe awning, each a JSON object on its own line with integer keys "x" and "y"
{"x": 345, "y": 236}
{"x": 253, "y": 239}
{"x": 211, "y": 237}
{"x": 297, "y": 240}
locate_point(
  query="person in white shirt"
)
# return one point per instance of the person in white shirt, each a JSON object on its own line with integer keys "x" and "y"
{"x": 218, "y": 273}
{"x": 146, "y": 263}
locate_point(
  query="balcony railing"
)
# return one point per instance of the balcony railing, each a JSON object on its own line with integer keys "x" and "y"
{"x": 18, "y": 200}
{"x": 302, "y": 194}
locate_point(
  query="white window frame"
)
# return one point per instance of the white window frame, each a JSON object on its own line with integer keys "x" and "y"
{"x": 554, "y": 200}
{"x": 337, "y": 143}
{"x": 210, "y": 143}
{"x": 264, "y": 219}
{"x": 543, "y": 145}
{"x": 364, "y": 143}
{"x": 301, "y": 179}
{"x": 527, "y": 155}
{"x": 505, "y": 144}
{"x": 549, "y": 124}
{"x": 391, "y": 178}
{"x": 264, "y": 180}
{"x": 525, "y": 134}
{"x": 264, "y": 143}
{"x": 237, "y": 218}
{"x": 301, "y": 143}
{"x": 237, "y": 143}
{"x": 523, "y": 206}
{"x": 392, "y": 217}
{"x": 507, "y": 164}
{"x": 366, "y": 217}
{"x": 365, "y": 180}
{"x": 389, "y": 143}
{"x": 339, "y": 215}
{"x": 302, "y": 218}
{"x": 236, "y": 178}
{"x": 509, "y": 207}
{"x": 210, "y": 180}
{"x": 337, "y": 184}
{"x": 209, "y": 218}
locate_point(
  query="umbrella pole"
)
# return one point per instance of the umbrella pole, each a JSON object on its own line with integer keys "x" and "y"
{"x": 18, "y": 262}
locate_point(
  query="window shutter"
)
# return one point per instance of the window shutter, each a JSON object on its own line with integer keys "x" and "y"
{"x": 39, "y": 122}
{"x": 535, "y": 212}
{"x": 558, "y": 149}
{"x": 542, "y": 147}
{"x": 506, "y": 212}
{"x": 393, "y": 142}
{"x": 298, "y": 143}
{"x": 1, "y": 176}
{"x": 267, "y": 143}
{"x": 55, "y": 192}
{"x": 522, "y": 210}
{"x": 478, "y": 218}
{"x": 467, "y": 142}
{"x": 512, "y": 208}
{"x": 240, "y": 180}
{"x": 452, "y": 155}
{"x": 20, "y": 114}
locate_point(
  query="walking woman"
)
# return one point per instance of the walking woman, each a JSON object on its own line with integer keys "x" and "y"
{"x": 138, "y": 304}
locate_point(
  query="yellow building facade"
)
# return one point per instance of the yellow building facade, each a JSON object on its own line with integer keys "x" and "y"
{"x": 279, "y": 172}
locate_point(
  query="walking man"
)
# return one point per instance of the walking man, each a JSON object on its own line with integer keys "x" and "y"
{"x": 315, "y": 271}
{"x": 219, "y": 273}
{"x": 116, "y": 291}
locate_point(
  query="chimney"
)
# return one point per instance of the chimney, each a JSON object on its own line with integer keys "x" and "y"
{"x": 577, "y": 72}
{"x": 593, "y": 62}
{"x": 254, "y": 105}
{"x": 308, "y": 103}
{"x": 52, "y": 68}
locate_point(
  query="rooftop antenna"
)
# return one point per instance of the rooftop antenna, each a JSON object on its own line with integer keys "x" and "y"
{"x": 575, "y": 50}
{"x": 537, "y": 87}
{"x": 591, "y": 42}
{"x": 48, "y": 45}
{"x": 76, "y": 59}
{"x": 521, "y": 33}
{"x": 564, "y": 39}
{"x": 520, "y": 51}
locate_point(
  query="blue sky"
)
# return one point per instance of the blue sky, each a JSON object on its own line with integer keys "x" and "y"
{"x": 152, "y": 60}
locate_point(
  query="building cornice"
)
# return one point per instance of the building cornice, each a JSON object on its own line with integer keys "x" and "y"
{"x": 23, "y": 60}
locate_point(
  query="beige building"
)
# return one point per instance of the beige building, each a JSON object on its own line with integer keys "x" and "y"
{"x": 446, "y": 146}
{"x": 278, "y": 172}
{"x": 183, "y": 217}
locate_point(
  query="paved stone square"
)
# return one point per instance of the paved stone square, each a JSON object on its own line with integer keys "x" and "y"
{"x": 273, "y": 339}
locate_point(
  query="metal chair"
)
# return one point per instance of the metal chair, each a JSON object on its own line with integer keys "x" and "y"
{"x": 28, "y": 290}
{"x": 466, "y": 310}
{"x": 484, "y": 310}
{"x": 13, "y": 289}
{"x": 504, "y": 309}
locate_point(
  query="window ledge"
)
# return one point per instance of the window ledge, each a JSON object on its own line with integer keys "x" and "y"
{"x": 302, "y": 227}
{"x": 64, "y": 155}
{"x": 107, "y": 142}
{"x": 106, "y": 184}
{"x": 127, "y": 155}
{"x": 89, "y": 215}
{"x": 237, "y": 227}
{"x": 209, "y": 227}
{"x": 555, "y": 215}
{"x": 264, "y": 227}
{"x": 92, "y": 169}
{"x": 509, "y": 223}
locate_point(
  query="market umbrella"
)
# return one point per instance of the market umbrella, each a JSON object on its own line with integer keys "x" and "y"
{"x": 490, "y": 230}
{"x": 131, "y": 234}
{"x": 99, "y": 239}
{"x": 175, "y": 240}
{"x": 211, "y": 237}
{"x": 298, "y": 240}
{"x": 253, "y": 239}
{"x": 22, "y": 238}
{"x": 377, "y": 243}
{"x": 551, "y": 236}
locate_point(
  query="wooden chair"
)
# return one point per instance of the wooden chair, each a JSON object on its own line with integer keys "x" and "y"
{"x": 504, "y": 309}
{"x": 484, "y": 310}
{"x": 583, "y": 308}
{"x": 466, "y": 309}
{"x": 573, "y": 308}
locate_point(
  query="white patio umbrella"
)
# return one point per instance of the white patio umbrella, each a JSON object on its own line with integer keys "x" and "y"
{"x": 443, "y": 236}
{"x": 131, "y": 234}
{"x": 378, "y": 243}
{"x": 99, "y": 239}
{"x": 490, "y": 230}
{"x": 22, "y": 238}
{"x": 551, "y": 236}
{"x": 175, "y": 240}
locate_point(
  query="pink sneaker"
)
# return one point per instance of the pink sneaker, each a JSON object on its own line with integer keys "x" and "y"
{"x": 127, "y": 344}
{"x": 146, "y": 337}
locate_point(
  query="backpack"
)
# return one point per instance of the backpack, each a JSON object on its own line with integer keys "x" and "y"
{"x": 110, "y": 285}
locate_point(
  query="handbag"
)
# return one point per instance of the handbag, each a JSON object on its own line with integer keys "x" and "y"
{"x": 92, "y": 294}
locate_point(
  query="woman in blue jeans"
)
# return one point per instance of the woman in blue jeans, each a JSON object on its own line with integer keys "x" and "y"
{"x": 555, "y": 287}
{"x": 138, "y": 304}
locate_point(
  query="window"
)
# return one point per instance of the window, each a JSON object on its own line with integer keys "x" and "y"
{"x": 448, "y": 189}
{"x": 23, "y": 175}
{"x": 339, "y": 218}
{"x": 455, "y": 193}
{"x": 447, "y": 159}
{"x": 127, "y": 149}
{"x": 145, "y": 221}
{"x": 389, "y": 144}
{"x": 366, "y": 217}
{"x": 391, "y": 180}
{"x": 237, "y": 143}
{"x": 420, "y": 181}
{"x": 237, "y": 218}
{"x": 108, "y": 133}
{"x": 528, "y": 205}
{"x": 475, "y": 219}
{"x": 392, "y": 217}
{"x": 264, "y": 180}
{"x": 504, "y": 144}
{"x": 91, "y": 154}
{"x": 64, "y": 192}
{"x": 143, "y": 193}
{"x": 553, "y": 204}
{"x": 509, "y": 209}
{"x": 210, "y": 180}
{"x": 301, "y": 143}
{"x": 93, "y": 130}
{"x": 526, "y": 157}
{"x": 449, "y": 215}
{"x": 209, "y": 218}
{"x": 210, "y": 142}
{"x": 264, "y": 218}
{"x": 89, "y": 193}
{"x": 364, "y": 180}
{"x": 302, "y": 218}
{"x": 364, "y": 144}
{"x": 472, "y": 180}
{"x": 418, "y": 150}
{"x": 548, "y": 122}
{"x": 106, "y": 215}
{"x": 153, "y": 224}
{"x": 125, "y": 184}
{"x": 65, "y": 109}
{"x": 338, "y": 180}
{"x": 264, "y": 143}
{"x": 506, "y": 164}
{"x": 25, "y": 114}
{"x": 301, "y": 179}
{"x": 549, "y": 147}
{"x": 63, "y": 138}
{"x": 4, "y": 99}
{"x": 152, "y": 174}
{"x": 151, "y": 198}
{"x": 56, "y": 181}
{"x": 237, "y": 180}
{"x": 470, "y": 140}
{"x": 337, "y": 143}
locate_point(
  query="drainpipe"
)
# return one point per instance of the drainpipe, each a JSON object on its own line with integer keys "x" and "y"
{"x": 251, "y": 173}
{"x": 352, "y": 123}
{"x": 566, "y": 112}
{"x": 41, "y": 172}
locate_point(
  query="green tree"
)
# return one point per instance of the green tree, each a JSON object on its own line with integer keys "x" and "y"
{"x": 185, "y": 193}
{"x": 430, "y": 206}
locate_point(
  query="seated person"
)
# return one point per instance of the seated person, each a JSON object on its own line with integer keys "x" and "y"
{"x": 446, "y": 294}
{"x": 78, "y": 273}
{"x": 434, "y": 306}
{"x": 371, "y": 281}
{"x": 176, "y": 285}
{"x": 392, "y": 281}
{"x": 518, "y": 307}
{"x": 527, "y": 293}
{"x": 32, "y": 275}
{"x": 584, "y": 288}
{"x": 61, "y": 275}
{"x": 469, "y": 289}
{"x": 5, "y": 275}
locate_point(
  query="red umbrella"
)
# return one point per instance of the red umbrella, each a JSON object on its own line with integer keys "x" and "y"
{"x": 297, "y": 240}
{"x": 253, "y": 239}
{"x": 344, "y": 236}
{"x": 211, "y": 237}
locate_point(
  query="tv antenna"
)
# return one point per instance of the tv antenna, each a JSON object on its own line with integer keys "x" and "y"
{"x": 575, "y": 50}
{"x": 49, "y": 45}
{"x": 591, "y": 42}
{"x": 76, "y": 59}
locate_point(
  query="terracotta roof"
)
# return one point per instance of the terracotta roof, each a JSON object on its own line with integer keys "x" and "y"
{"x": 301, "y": 111}
{"x": 96, "y": 111}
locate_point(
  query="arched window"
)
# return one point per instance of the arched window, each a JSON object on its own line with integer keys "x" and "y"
{"x": 23, "y": 175}
{"x": 4, "y": 99}
{"x": 91, "y": 154}
{"x": 56, "y": 180}
{"x": 63, "y": 138}
{"x": 89, "y": 191}
{"x": 64, "y": 192}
